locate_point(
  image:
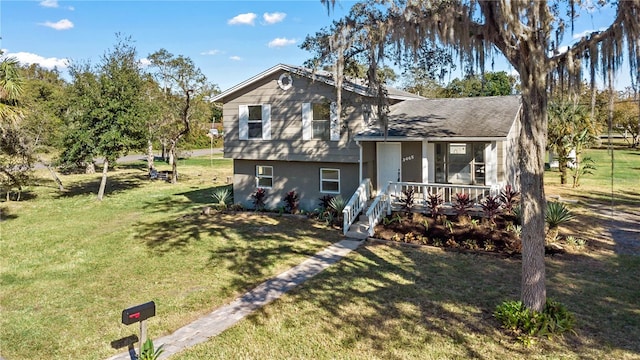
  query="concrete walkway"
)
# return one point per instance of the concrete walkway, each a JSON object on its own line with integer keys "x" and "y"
{"x": 226, "y": 316}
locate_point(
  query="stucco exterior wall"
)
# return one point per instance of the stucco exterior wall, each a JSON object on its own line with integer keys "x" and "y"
{"x": 303, "y": 177}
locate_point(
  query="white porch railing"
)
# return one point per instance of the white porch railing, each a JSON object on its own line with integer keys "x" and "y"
{"x": 376, "y": 211}
{"x": 448, "y": 192}
{"x": 355, "y": 205}
{"x": 394, "y": 194}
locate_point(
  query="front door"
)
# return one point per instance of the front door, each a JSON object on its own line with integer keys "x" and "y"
{"x": 389, "y": 161}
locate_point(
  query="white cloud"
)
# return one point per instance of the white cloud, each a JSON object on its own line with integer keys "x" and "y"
{"x": 63, "y": 24}
{"x": 243, "y": 19}
{"x": 144, "y": 62}
{"x": 211, "y": 52}
{"x": 235, "y": 58}
{"x": 49, "y": 3}
{"x": 281, "y": 42}
{"x": 47, "y": 63}
{"x": 71, "y": 8}
{"x": 273, "y": 18}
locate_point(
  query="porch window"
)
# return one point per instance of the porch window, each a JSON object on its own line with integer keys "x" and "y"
{"x": 460, "y": 163}
{"x": 330, "y": 181}
{"x": 264, "y": 176}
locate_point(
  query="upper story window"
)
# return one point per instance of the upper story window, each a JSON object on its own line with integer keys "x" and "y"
{"x": 255, "y": 122}
{"x": 320, "y": 121}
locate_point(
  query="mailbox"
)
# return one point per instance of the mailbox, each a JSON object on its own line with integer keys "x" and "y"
{"x": 138, "y": 313}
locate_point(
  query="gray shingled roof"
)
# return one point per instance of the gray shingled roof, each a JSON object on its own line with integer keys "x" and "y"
{"x": 479, "y": 117}
{"x": 356, "y": 86}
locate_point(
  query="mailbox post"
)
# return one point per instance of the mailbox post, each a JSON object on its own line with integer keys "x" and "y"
{"x": 139, "y": 313}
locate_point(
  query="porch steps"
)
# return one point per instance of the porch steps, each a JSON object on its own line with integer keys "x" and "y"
{"x": 359, "y": 229}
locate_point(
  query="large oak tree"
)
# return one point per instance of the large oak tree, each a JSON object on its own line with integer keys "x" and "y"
{"x": 528, "y": 34}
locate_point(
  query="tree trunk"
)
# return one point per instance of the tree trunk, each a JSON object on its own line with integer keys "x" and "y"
{"x": 173, "y": 162}
{"x": 103, "y": 182}
{"x": 531, "y": 153}
{"x": 150, "y": 156}
{"x": 90, "y": 168}
{"x": 55, "y": 177}
{"x": 562, "y": 167}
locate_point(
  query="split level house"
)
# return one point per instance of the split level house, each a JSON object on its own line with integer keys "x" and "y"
{"x": 283, "y": 132}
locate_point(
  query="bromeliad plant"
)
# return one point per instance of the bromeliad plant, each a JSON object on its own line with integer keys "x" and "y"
{"x": 259, "y": 199}
{"x": 509, "y": 198}
{"x": 434, "y": 201}
{"x": 491, "y": 207}
{"x": 291, "y": 202}
{"x": 462, "y": 204}
{"x": 407, "y": 198}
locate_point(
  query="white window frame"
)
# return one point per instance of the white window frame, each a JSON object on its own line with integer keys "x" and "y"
{"x": 262, "y": 176}
{"x": 265, "y": 121}
{"x": 322, "y": 180}
{"x": 308, "y": 119}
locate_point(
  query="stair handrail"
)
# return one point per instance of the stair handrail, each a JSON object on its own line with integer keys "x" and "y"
{"x": 356, "y": 204}
{"x": 376, "y": 211}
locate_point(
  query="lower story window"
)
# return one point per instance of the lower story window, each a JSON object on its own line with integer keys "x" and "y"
{"x": 330, "y": 181}
{"x": 264, "y": 176}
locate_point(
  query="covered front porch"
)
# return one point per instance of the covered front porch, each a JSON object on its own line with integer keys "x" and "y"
{"x": 434, "y": 161}
{"x": 394, "y": 197}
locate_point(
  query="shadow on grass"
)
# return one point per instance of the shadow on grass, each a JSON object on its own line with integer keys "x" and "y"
{"x": 385, "y": 296}
{"x": 116, "y": 182}
{"x": 6, "y": 215}
{"x": 244, "y": 243}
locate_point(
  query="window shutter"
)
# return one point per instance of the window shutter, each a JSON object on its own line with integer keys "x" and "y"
{"x": 243, "y": 115}
{"x": 335, "y": 122}
{"x": 307, "y": 132}
{"x": 266, "y": 122}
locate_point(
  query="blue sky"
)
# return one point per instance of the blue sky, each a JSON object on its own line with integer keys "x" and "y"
{"x": 229, "y": 41}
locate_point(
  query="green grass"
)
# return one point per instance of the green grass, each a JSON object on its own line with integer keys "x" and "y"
{"x": 71, "y": 264}
{"x": 394, "y": 302}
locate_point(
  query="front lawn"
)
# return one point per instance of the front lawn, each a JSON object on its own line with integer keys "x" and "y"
{"x": 71, "y": 264}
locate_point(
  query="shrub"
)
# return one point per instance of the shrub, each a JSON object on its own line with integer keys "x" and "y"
{"x": 434, "y": 201}
{"x": 462, "y": 204}
{"x": 408, "y": 197}
{"x": 223, "y": 196}
{"x": 337, "y": 205}
{"x": 291, "y": 202}
{"x": 148, "y": 352}
{"x": 325, "y": 201}
{"x": 259, "y": 199}
{"x": 525, "y": 323}
{"x": 509, "y": 198}
{"x": 557, "y": 213}
{"x": 491, "y": 207}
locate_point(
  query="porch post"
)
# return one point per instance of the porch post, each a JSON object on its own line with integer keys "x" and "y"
{"x": 359, "y": 161}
